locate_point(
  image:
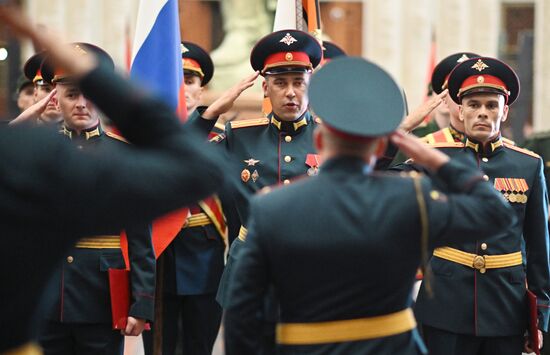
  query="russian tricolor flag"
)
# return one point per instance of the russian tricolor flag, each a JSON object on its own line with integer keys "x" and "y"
{"x": 156, "y": 59}
{"x": 157, "y": 66}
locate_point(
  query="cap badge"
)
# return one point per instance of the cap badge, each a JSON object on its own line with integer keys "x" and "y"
{"x": 463, "y": 58}
{"x": 251, "y": 162}
{"x": 288, "y": 39}
{"x": 289, "y": 57}
{"x": 480, "y": 79}
{"x": 480, "y": 66}
{"x": 184, "y": 49}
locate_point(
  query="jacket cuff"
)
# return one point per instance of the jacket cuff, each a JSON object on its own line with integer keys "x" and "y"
{"x": 143, "y": 307}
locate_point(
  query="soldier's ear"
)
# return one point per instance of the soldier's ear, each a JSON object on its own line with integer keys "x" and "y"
{"x": 460, "y": 112}
{"x": 505, "y": 114}
{"x": 264, "y": 87}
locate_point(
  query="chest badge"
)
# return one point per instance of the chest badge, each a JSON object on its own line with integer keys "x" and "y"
{"x": 313, "y": 161}
{"x": 255, "y": 175}
{"x": 245, "y": 175}
{"x": 251, "y": 162}
{"x": 513, "y": 189}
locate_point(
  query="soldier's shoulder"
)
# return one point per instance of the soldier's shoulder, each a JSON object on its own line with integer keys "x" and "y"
{"x": 522, "y": 150}
{"x": 218, "y": 138}
{"x": 249, "y": 123}
{"x": 116, "y": 137}
{"x": 447, "y": 145}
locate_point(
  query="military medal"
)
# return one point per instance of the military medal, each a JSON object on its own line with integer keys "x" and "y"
{"x": 513, "y": 189}
{"x": 245, "y": 175}
{"x": 255, "y": 175}
{"x": 312, "y": 160}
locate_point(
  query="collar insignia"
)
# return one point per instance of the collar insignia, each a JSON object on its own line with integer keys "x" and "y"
{"x": 480, "y": 66}
{"x": 288, "y": 39}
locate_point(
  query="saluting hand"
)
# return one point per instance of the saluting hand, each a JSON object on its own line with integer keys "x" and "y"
{"x": 134, "y": 327}
{"x": 35, "y": 110}
{"x": 417, "y": 115}
{"x": 416, "y": 149}
{"x": 225, "y": 102}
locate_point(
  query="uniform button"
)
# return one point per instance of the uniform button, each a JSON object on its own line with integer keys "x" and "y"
{"x": 485, "y": 177}
{"x": 288, "y": 139}
{"x": 286, "y": 181}
{"x": 483, "y": 246}
{"x": 288, "y": 158}
{"x": 79, "y": 146}
{"x": 485, "y": 160}
{"x": 70, "y": 259}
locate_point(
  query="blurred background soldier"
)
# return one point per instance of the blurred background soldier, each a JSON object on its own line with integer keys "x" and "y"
{"x": 79, "y": 319}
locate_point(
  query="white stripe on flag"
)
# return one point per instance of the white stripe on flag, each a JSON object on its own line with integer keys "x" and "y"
{"x": 147, "y": 15}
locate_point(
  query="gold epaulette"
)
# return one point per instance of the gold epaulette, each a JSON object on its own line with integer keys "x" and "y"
{"x": 442, "y": 136}
{"x": 217, "y": 138}
{"x": 250, "y": 122}
{"x": 116, "y": 136}
{"x": 219, "y": 126}
{"x": 448, "y": 145}
{"x": 508, "y": 141}
{"x": 522, "y": 150}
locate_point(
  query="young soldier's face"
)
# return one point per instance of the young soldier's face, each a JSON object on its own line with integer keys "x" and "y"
{"x": 482, "y": 115}
{"x": 51, "y": 113}
{"x": 288, "y": 94}
{"x": 193, "y": 91}
{"x": 78, "y": 112}
{"x": 25, "y": 98}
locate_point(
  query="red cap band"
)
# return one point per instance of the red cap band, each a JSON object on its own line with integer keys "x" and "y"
{"x": 483, "y": 81}
{"x": 284, "y": 59}
{"x": 192, "y": 65}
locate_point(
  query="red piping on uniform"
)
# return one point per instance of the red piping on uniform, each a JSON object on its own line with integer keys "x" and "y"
{"x": 62, "y": 294}
{"x": 279, "y": 159}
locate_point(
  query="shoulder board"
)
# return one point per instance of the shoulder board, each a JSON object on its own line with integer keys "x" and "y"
{"x": 249, "y": 123}
{"x": 116, "y": 136}
{"x": 448, "y": 145}
{"x": 219, "y": 126}
{"x": 508, "y": 141}
{"x": 522, "y": 150}
{"x": 442, "y": 136}
{"x": 217, "y": 138}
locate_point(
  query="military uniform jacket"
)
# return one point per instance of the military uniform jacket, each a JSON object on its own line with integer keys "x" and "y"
{"x": 348, "y": 224}
{"x": 493, "y": 303}
{"x": 82, "y": 292}
{"x": 195, "y": 259}
{"x": 265, "y": 152}
{"x": 40, "y": 223}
